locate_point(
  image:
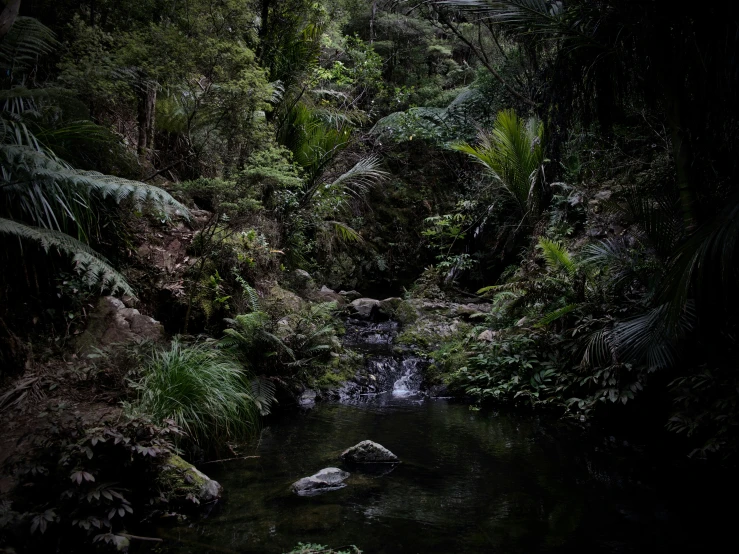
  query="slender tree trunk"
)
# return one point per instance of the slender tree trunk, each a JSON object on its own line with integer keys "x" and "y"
{"x": 146, "y": 103}
{"x": 263, "y": 27}
{"x": 682, "y": 157}
{"x": 372, "y": 21}
{"x": 8, "y": 16}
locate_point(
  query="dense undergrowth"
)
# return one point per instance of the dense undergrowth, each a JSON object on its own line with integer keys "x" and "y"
{"x": 549, "y": 158}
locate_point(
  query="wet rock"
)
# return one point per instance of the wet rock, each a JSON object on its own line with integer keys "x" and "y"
{"x": 438, "y": 391}
{"x": 283, "y": 302}
{"x": 469, "y": 311}
{"x": 183, "y": 482}
{"x": 350, "y": 295}
{"x": 301, "y": 282}
{"x": 368, "y": 452}
{"x": 364, "y": 307}
{"x": 405, "y": 313}
{"x": 328, "y": 479}
{"x": 308, "y": 398}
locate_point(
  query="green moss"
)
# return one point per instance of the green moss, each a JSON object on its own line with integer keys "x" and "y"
{"x": 340, "y": 369}
{"x": 405, "y": 313}
{"x": 430, "y": 332}
{"x": 448, "y": 358}
{"x": 180, "y": 477}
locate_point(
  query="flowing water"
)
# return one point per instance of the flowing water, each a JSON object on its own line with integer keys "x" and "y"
{"x": 468, "y": 482}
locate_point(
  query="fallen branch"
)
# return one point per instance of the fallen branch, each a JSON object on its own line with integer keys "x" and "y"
{"x": 136, "y": 537}
{"x": 229, "y": 459}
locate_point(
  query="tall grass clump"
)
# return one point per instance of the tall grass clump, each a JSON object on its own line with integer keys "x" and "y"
{"x": 206, "y": 392}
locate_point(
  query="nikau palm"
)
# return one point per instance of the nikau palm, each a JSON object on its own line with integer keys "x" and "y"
{"x": 513, "y": 155}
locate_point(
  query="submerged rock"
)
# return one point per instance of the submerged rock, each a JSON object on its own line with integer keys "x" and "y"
{"x": 328, "y": 479}
{"x": 368, "y": 452}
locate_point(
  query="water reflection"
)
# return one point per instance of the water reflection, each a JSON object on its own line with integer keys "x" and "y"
{"x": 467, "y": 483}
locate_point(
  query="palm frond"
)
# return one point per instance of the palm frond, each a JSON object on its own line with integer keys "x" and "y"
{"x": 513, "y": 155}
{"x": 363, "y": 175}
{"x": 345, "y": 233}
{"x": 599, "y": 350}
{"x": 556, "y": 255}
{"x": 649, "y": 338}
{"x": 545, "y": 19}
{"x": 612, "y": 260}
{"x": 554, "y": 315}
{"x": 706, "y": 263}
{"x": 94, "y": 269}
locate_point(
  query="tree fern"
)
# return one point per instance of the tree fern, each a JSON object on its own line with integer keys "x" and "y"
{"x": 94, "y": 269}
{"x": 21, "y": 48}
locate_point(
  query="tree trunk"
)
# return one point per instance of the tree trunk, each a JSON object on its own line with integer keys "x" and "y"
{"x": 8, "y": 16}
{"x": 146, "y": 104}
{"x": 372, "y": 21}
{"x": 682, "y": 156}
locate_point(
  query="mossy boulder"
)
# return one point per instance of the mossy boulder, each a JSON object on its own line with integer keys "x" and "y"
{"x": 185, "y": 485}
{"x": 405, "y": 314}
{"x": 282, "y": 302}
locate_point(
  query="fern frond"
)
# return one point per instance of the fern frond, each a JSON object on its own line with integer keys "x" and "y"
{"x": 345, "y": 233}
{"x": 263, "y": 395}
{"x": 553, "y": 316}
{"x": 46, "y": 188}
{"x": 27, "y": 40}
{"x": 94, "y": 269}
{"x": 556, "y": 255}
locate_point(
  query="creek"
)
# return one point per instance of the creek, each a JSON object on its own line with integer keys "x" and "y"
{"x": 468, "y": 482}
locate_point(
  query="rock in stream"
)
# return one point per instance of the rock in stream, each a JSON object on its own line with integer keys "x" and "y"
{"x": 328, "y": 479}
{"x": 368, "y": 452}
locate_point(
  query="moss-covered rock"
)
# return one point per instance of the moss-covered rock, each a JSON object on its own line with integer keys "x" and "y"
{"x": 282, "y": 302}
{"x": 184, "y": 485}
{"x": 405, "y": 313}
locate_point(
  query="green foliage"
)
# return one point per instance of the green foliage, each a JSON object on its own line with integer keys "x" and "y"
{"x": 512, "y": 368}
{"x": 311, "y": 548}
{"x": 513, "y": 155}
{"x": 556, "y": 256}
{"x": 205, "y": 392}
{"x": 85, "y": 483}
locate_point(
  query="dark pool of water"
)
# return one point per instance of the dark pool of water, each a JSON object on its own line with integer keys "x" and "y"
{"x": 469, "y": 482}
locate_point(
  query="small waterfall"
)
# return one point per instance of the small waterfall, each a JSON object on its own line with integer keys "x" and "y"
{"x": 410, "y": 381}
{"x": 385, "y": 370}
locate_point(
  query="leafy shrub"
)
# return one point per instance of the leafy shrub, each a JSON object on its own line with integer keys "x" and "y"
{"x": 512, "y": 367}
{"x": 311, "y": 548}
{"x": 202, "y": 389}
{"x": 85, "y": 484}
